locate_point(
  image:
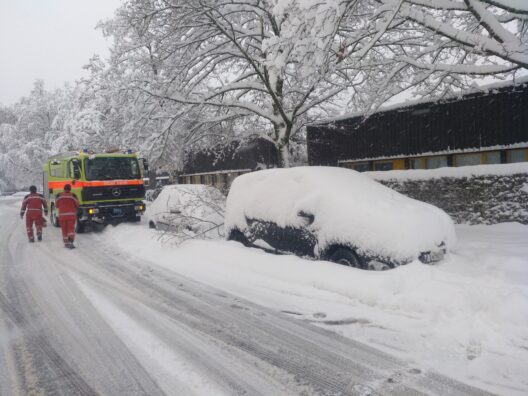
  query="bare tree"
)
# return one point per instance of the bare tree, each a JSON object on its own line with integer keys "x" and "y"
{"x": 197, "y": 68}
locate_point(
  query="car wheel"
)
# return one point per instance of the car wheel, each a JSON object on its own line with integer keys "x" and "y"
{"x": 152, "y": 225}
{"x": 345, "y": 256}
{"x": 238, "y": 236}
{"x": 53, "y": 217}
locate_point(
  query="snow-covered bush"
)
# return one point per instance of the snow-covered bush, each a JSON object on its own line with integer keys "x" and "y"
{"x": 482, "y": 194}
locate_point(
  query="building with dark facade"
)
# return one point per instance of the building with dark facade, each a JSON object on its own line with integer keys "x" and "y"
{"x": 218, "y": 166}
{"x": 485, "y": 127}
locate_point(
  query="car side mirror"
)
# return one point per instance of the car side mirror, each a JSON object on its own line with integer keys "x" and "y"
{"x": 308, "y": 217}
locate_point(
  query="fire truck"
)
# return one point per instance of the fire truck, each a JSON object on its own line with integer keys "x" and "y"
{"x": 109, "y": 185}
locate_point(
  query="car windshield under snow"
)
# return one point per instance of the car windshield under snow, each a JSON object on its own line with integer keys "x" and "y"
{"x": 108, "y": 168}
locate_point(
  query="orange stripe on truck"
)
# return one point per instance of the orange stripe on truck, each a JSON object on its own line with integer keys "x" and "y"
{"x": 94, "y": 183}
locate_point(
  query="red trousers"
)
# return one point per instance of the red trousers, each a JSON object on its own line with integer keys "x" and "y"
{"x": 67, "y": 224}
{"x": 33, "y": 217}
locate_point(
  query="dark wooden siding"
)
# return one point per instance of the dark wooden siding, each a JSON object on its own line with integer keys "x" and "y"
{"x": 480, "y": 120}
{"x": 252, "y": 154}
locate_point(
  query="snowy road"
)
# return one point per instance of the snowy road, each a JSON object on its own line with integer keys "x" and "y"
{"x": 98, "y": 321}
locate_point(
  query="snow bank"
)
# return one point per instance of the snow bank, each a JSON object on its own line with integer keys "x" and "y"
{"x": 464, "y": 317}
{"x": 349, "y": 208}
{"x": 458, "y": 172}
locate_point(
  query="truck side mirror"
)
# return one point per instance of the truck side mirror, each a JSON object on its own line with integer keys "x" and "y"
{"x": 145, "y": 164}
{"x": 76, "y": 169}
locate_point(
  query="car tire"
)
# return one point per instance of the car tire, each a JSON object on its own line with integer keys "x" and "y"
{"x": 152, "y": 225}
{"x": 236, "y": 235}
{"x": 345, "y": 256}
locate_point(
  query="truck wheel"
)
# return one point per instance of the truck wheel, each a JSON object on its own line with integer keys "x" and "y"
{"x": 53, "y": 217}
{"x": 80, "y": 227}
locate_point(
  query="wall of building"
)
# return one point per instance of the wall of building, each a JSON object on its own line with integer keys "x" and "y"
{"x": 495, "y": 119}
{"x": 474, "y": 194}
{"x": 517, "y": 153}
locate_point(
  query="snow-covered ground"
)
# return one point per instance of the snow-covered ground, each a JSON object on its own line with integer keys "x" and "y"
{"x": 466, "y": 317}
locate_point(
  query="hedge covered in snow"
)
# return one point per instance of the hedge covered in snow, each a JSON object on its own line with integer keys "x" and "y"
{"x": 484, "y": 194}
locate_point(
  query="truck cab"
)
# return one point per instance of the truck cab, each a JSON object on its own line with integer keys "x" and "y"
{"x": 109, "y": 186}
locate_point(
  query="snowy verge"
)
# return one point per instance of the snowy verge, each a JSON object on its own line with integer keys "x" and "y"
{"x": 483, "y": 194}
{"x": 462, "y": 317}
{"x": 456, "y": 172}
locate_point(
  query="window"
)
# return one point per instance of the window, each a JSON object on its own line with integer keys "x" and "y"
{"x": 109, "y": 168}
{"x": 493, "y": 157}
{"x": 436, "y": 162}
{"x": 360, "y": 166}
{"x": 383, "y": 166}
{"x": 467, "y": 159}
{"x": 417, "y": 163}
{"x": 56, "y": 170}
{"x": 517, "y": 155}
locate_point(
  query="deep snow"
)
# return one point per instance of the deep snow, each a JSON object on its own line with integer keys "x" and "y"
{"x": 465, "y": 317}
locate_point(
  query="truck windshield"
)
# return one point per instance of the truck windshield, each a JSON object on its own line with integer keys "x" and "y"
{"x": 109, "y": 168}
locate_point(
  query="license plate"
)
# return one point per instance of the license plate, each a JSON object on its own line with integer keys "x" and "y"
{"x": 437, "y": 256}
{"x": 117, "y": 212}
{"x": 431, "y": 257}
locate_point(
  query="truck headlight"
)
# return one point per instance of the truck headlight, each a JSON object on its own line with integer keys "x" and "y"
{"x": 92, "y": 211}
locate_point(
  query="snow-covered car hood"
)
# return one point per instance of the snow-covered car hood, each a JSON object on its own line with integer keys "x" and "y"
{"x": 348, "y": 207}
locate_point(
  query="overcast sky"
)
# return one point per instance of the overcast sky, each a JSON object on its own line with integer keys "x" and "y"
{"x": 50, "y": 40}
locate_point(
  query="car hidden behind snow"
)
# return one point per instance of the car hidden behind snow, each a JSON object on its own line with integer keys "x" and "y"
{"x": 190, "y": 210}
{"x": 335, "y": 214}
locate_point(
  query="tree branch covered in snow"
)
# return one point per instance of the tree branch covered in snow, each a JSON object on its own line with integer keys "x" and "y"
{"x": 189, "y": 73}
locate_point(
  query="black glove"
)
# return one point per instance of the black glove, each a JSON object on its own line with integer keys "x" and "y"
{"x": 21, "y": 215}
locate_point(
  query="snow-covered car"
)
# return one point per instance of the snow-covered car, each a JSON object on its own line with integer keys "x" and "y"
{"x": 335, "y": 214}
{"x": 193, "y": 210}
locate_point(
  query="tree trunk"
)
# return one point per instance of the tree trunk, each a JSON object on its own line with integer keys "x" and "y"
{"x": 282, "y": 142}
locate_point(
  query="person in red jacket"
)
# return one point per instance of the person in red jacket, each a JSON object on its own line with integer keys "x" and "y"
{"x": 67, "y": 204}
{"x": 32, "y": 205}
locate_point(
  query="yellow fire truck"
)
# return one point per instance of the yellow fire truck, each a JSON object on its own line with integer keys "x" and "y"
{"x": 109, "y": 185}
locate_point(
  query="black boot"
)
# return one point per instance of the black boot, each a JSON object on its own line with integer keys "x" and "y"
{"x": 39, "y": 237}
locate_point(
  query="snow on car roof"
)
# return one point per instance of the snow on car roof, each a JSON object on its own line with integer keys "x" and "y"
{"x": 348, "y": 208}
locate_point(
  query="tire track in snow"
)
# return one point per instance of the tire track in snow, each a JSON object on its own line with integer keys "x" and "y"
{"x": 315, "y": 358}
{"x": 60, "y": 343}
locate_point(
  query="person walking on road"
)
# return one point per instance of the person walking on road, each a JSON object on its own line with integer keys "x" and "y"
{"x": 67, "y": 204}
{"x": 32, "y": 206}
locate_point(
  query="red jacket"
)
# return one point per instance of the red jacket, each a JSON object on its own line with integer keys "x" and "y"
{"x": 67, "y": 204}
{"x": 34, "y": 203}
